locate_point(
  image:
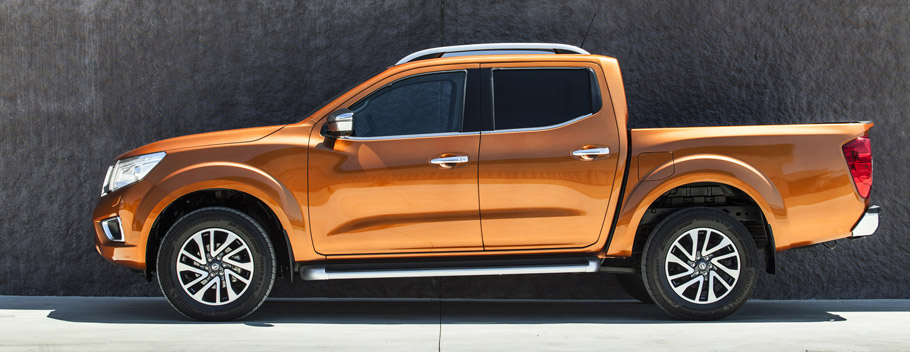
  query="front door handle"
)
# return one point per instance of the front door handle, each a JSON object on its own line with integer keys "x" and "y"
{"x": 448, "y": 162}
{"x": 591, "y": 153}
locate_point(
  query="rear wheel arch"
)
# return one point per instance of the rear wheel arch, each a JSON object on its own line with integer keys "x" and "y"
{"x": 694, "y": 169}
{"x": 732, "y": 200}
{"x": 699, "y": 264}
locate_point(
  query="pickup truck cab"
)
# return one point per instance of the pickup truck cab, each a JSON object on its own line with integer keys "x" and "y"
{"x": 488, "y": 159}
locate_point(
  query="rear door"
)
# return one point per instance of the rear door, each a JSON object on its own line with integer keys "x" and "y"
{"x": 548, "y": 163}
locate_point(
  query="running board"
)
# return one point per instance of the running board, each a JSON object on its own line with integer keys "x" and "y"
{"x": 453, "y": 268}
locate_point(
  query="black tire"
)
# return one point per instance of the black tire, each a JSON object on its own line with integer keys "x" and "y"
{"x": 689, "y": 223}
{"x": 633, "y": 285}
{"x": 260, "y": 255}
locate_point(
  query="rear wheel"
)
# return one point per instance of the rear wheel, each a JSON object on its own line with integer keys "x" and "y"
{"x": 216, "y": 263}
{"x": 699, "y": 264}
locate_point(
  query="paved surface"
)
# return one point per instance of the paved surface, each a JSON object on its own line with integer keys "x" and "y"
{"x": 126, "y": 324}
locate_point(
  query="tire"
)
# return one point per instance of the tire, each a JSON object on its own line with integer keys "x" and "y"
{"x": 633, "y": 285}
{"x": 229, "y": 285}
{"x": 704, "y": 285}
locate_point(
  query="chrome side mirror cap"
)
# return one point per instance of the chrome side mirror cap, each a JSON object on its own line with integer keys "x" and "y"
{"x": 340, "y": 123}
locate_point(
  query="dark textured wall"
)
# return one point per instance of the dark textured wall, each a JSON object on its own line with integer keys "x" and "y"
{"x": 83, "y": 81}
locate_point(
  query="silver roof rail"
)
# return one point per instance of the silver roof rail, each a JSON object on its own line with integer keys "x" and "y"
{"x": 493, "y": 49}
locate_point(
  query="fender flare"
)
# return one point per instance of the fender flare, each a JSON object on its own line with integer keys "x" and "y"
{"x": 242, "y": 178}
{"x": 694, "y": 169}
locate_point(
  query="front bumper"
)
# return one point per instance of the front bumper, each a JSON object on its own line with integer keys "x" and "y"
{"x": 121, "y": 223}
{"x": 867, "y": 224}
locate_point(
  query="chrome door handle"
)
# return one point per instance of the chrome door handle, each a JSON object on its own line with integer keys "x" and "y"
{"x": 589, "y": 154}
{"x": 449, "y": 161}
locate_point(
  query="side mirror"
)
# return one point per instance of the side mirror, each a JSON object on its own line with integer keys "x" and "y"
{"x": 340, "y": 123}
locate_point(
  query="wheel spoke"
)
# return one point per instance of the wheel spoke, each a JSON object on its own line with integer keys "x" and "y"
{"x": 732, "y": 272}
{"x": 672, "y": 258}
{"x": 676, "y": 276}
{"x": 245, "y": 266}
{"x": 212, "y": 242}
{"x": 711, "y": 296}
{"x": 217, "y": 289}
{"x": 722, "y": 257}
{"x": 193, "y": 257}
{"x": 704, "y": 247}
{"x": 238, "y": 250}
{"x": 682, "y": 288}
{"x": 230, "y": 239}
{"x": 184, "y": 267}
{"x": 689, "y": 256}
{"x": 229, "y": 272}
{"x": 201, "y": 293}
{"x": 232, "y": 295}
{"x": 725, "y": 242}
{"x": 194, "y": 282}
{"x": 694, "y": 242}
{"x": 198, "y": 239}
{"x": 722, "y": 281}
{"x": 701, "y": 283}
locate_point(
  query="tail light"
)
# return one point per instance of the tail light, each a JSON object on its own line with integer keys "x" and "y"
{"x": 858, "y": 153}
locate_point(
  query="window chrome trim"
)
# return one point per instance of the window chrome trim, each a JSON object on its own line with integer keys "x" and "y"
{"x": 541, "y": 128}
{"x": 464, "y": 98}
{"x": 411, "y": 136}
{"x": 492, "y": 47}
{"x": 542, "y": 68}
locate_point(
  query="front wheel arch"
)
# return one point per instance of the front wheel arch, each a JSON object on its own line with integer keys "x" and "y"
{"x": 229, "y": 198}
{"x": 177, "y": 261}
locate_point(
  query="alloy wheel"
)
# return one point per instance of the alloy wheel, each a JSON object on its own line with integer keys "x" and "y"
{"x": 215, "y": 266}
{"x": 702, "y": 265}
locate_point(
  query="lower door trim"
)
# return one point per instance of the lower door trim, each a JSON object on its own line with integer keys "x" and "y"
{"x": 450, "y": 268}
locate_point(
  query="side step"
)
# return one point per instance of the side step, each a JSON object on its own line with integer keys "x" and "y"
{"x": 450, "y": 268}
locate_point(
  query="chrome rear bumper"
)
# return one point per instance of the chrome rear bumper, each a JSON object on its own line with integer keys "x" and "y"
{"x": 868, "y": 224}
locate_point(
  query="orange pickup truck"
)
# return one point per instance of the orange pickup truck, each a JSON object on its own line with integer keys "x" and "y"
{"x": 487, "y": 159}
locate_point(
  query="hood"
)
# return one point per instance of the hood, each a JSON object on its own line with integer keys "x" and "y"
{"x": 242, "y": 135}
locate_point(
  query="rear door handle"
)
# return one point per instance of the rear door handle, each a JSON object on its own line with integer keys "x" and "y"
{"x": 448, "y": 162}
{"x": 590, "y": 154}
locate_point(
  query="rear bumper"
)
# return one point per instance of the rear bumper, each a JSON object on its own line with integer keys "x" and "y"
{"x": 867, "y": 224}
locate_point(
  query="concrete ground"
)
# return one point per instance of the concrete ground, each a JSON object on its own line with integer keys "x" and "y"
{"x": 126, "y": 324}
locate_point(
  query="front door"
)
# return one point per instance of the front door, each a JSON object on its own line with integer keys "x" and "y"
{"x": 547, "y": 167}
{"x": 406, "y": 181}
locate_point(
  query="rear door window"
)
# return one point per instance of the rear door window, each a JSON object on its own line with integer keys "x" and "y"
{"x": 529, "y": 98}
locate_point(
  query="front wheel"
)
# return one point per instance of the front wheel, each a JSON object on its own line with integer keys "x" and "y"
{"x": 216, "y": 263}
{"x": 699, "y": 264}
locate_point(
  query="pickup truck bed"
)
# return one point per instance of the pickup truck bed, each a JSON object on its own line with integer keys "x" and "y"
{"x": 796, "y": 174}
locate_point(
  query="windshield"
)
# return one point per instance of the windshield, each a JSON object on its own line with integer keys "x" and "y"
{"x": 327, "y": 101}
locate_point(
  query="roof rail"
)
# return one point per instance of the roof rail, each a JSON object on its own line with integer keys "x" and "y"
{"x": 493, "y": 49}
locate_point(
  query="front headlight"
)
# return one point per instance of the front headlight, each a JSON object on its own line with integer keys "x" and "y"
{"x": 130, "y": 170}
